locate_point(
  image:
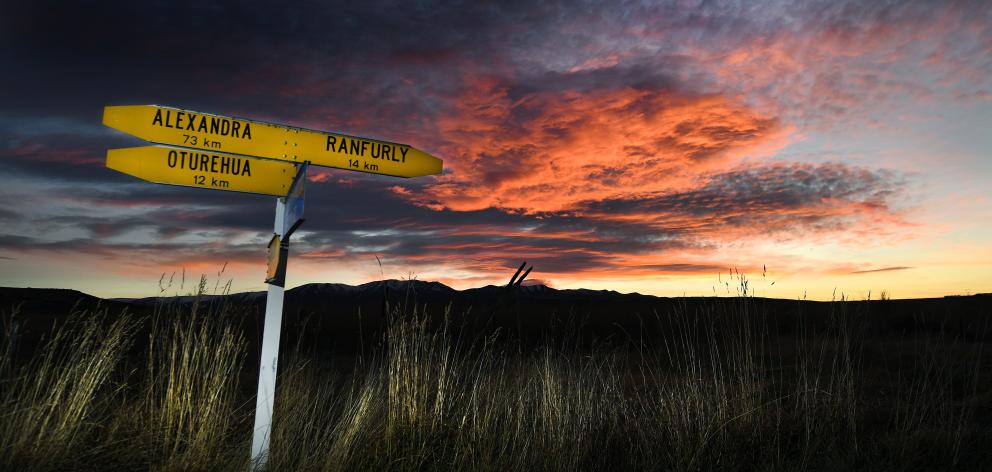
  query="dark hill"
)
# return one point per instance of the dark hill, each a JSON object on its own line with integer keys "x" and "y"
{"x": 339, "y": 316}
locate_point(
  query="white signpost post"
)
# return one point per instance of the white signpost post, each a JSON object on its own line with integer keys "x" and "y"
{"x": 289, "y": 216}
{"x": 232, "y": 154}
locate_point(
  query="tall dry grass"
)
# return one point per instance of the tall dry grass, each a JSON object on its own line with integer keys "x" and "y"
{"x": 718, "y": 389}
{"x": 53, "y": 406}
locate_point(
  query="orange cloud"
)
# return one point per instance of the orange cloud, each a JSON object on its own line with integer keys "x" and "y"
{"x": 548, "y": 151}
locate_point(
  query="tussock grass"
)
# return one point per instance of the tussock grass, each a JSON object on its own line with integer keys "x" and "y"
{"x": 51, "y": 407}
{"x": 718, "y": 389}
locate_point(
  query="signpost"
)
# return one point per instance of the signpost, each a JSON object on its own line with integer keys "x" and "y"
{"x": 197, "y": 130}
{"x": 212, "y": 151}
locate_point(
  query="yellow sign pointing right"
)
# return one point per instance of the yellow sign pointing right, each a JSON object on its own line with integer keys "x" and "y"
{"x": 193, "y": 168}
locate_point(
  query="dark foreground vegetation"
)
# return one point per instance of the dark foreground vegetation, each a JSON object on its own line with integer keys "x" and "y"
{"x": 705, "y": 384}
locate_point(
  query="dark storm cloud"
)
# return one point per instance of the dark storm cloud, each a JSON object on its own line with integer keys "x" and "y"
{"x": 64, "y": 170}
{"x": 75, "y": 57}
{"x": 7, "y": 215}
{"x": 774, "y": 198}
{"x": 161, "y": 252}
{"x": 640, "y": 76}
{"x": 371, "y": 221}
{"x": 365, "y": 220}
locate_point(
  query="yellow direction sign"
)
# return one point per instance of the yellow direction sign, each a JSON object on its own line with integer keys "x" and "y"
{"x": 193, "y": 168}
{"x": 234, "y": 135}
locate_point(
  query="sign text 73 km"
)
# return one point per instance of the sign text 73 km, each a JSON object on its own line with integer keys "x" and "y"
{"x": 238, "y": 136}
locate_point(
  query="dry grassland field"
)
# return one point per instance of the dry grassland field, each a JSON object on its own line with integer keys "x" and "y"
{"x": 407, "y": 375}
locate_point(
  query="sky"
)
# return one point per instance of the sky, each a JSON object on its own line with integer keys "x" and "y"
{"x": 820, "y": 148}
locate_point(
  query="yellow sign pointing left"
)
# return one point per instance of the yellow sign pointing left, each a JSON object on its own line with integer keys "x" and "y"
{"x": 204, "y": 169}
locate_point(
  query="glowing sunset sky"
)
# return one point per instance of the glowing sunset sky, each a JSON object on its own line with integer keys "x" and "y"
{"x": 844, "y": 145}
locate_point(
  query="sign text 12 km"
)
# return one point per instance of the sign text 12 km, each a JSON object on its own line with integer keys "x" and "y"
{"x": 193, "y": 168}
{"x": 238, "y": 136}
